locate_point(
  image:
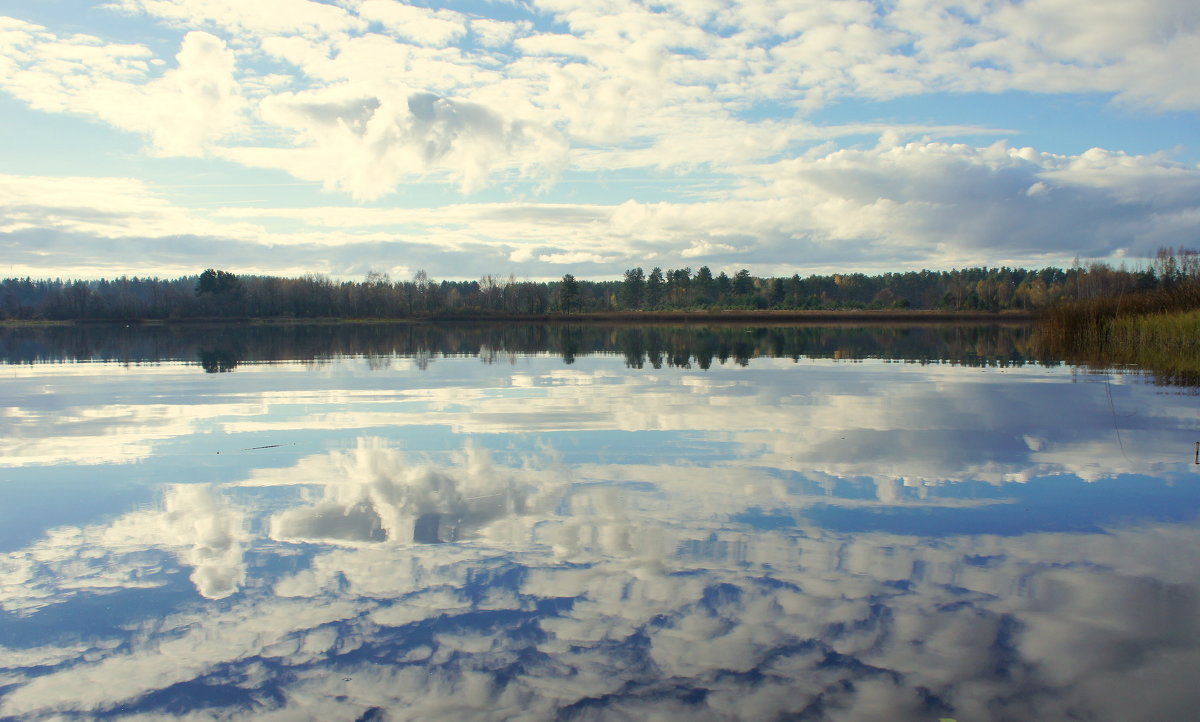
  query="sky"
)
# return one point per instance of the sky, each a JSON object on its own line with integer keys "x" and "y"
{"x": 535, "y": 138}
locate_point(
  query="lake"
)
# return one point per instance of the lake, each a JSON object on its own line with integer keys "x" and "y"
{"x": 592, "y": 523}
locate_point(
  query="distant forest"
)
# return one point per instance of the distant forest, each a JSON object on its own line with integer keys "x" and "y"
{"x": 215, "y": 294}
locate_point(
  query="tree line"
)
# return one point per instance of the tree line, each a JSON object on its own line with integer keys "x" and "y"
{"x": 223, "y": 294}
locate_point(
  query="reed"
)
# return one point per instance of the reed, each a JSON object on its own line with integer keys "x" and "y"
{"x": 1157, "y": 330}
{"x": 1167, "y": 333}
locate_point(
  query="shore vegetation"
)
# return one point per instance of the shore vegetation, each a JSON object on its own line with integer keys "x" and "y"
{"x": 226, "y": 295}
{"x": 1157, "y": 328}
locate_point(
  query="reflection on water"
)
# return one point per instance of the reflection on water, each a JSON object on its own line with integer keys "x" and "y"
{"x": 378, "y": 538}
{"x": 223, "y": 348}
{"x": 373, "y": 495}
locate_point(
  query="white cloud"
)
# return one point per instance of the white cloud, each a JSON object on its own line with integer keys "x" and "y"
{"x": 890, "y": 207}
{"x": 703, "y": 249}
{"x": 181, "y": 111}
{"x": 373, "y": 97}
{"x": 495, "y": 33}
{"x": 436, "y": 28}
{"x": 256, "y": 19}
{"x": 194, "y": 103}
{"x": 366, "y": 143}
{"x": 571, "y": 258}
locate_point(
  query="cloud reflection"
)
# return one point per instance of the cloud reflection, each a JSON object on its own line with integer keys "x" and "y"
{"x": 541, "y": 593}
{"x": 197, "y": 528}
{"x": 374, "y": 493}
{"x": 901, "y": 425}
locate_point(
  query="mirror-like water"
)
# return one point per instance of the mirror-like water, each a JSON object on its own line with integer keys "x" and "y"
{"x": 539, "y": 523}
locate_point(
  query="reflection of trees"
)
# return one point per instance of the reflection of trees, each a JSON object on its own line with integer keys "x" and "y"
{"x": 221, "y": 347}
{"x": 219, "y": 360}
{"x": 1190, "y": 379}
{"x": 566, "y": 339}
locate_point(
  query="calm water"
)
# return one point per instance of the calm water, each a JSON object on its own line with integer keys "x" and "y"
{"x": 532, "y": 523}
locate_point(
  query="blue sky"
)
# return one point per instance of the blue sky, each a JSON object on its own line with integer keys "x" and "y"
{"x": 536, "y": 138}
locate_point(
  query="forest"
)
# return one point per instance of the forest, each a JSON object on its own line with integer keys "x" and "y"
{"x": 221, "y": 294}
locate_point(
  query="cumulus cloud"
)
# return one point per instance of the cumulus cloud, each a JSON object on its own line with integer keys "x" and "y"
{"x": 976, "y": 202}
{"x": 882, "y": 208}
{"x": 195, "y": 102}
{"x": 366, "y": 144}
{"x": 706, "y": 103}
{"x": 181, "y": 110}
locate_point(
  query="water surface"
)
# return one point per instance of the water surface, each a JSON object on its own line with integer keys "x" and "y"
{"x": 591, "y": 523}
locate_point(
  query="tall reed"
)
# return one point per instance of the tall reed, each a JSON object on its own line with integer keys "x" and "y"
{"x": 1158, "y": 330}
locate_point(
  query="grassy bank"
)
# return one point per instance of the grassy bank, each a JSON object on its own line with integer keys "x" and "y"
{"x": 1168, "y": 334}
{"x": 1156, "y": 330}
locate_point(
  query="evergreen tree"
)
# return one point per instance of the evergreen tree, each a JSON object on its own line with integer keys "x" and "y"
{"x": 655, "y": 288}
{"x": 704, "y": 287}
{"x": 215, "y": 282}
{"x": 568, "y": 294}
{"x": 743, "y": 283}
{"x": 776, "y": 292}
{"x": 795, "y": 291}
{"x": 724, "y": 286}
{"x": 633, "y": 290}
{"x": 678, "y": 282}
